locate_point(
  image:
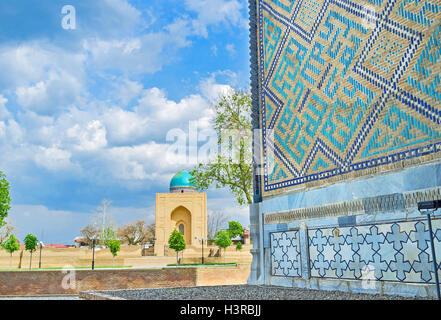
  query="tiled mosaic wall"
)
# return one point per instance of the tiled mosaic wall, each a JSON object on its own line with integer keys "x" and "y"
{"x": 397, "y": 252}
{"x": 285, "y": 254}
{"x": 347, "y": 88}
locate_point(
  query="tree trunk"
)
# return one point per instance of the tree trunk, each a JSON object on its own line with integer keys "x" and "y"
{"x": 21, "y": 258}
{"x": 177, "y": 261}
{"x": 10, "y": 261}
{"x": 113, "y": 261}
{"x": 30, "y": 263}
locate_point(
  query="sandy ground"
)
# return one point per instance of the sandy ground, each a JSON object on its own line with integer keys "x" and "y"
{"x": 82, "y": 257}
{"x": 67, "y": 257}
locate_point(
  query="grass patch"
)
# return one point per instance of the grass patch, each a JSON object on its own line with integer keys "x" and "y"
{"x": 205, "y": 264}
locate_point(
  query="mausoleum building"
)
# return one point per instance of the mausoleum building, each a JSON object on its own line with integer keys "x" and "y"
{"x": 182, "y": 209}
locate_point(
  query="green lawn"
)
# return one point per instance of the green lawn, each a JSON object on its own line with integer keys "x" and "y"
{"x": 205, "y": 264}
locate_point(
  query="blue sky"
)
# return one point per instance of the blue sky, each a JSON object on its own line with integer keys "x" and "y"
{"x": 84, "y": 112}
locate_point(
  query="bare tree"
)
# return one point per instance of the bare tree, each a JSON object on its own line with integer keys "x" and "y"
{"x": 137, "y": 232}
{"x": 89, "y": 232}
{"x": 101, "y": 218}
{"x": 6, "y": 230}
{"x": 215, "y": 221}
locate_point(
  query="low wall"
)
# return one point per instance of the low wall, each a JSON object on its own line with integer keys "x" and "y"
{"x": 217, "y": 276}
{"x": 71, "y": 282}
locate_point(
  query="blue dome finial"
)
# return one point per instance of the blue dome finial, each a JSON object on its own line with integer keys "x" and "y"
{"x": 181, "y": 182}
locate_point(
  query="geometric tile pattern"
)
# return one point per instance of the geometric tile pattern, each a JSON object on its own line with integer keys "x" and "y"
{"x": 285, "y": 254}
{"x": 346, "y": 86}
{"x": 398, "y": 251}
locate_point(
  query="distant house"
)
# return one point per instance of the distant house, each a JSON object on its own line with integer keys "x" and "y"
{"x": 80, "y": 242}
{"x": 60, "y": 245}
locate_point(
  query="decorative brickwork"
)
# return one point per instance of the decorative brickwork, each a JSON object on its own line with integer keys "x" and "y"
{"x": 346, "y": 89}
{"x": 397, "y": 251}
{"x": 390, "y": 251}
{"x": 372, "y": 205}
{"x": 285, "y": 254}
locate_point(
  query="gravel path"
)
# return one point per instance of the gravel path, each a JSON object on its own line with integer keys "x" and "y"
{"x": 245, "y": 292}
{"x": 42, "y": 298}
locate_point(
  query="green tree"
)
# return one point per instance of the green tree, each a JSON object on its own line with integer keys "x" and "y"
{"x": 177, "y": 243}
{"x": 222, "y": 240}
{"x": 234, "y": 229}
{"x": 11, "y": 245}
{"x": 5, "y": 199}
{"x": 30, "y": 245}
{"x": 115, "y": 247}
{"x": 108, "y": 235}
{"x": 239, "y": 246}
{"x": 232, "y": 167}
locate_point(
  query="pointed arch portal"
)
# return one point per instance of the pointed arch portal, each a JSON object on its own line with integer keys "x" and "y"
{"x": 181, "y": 220}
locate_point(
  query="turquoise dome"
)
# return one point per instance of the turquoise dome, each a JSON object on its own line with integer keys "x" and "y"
{"x": 182, "y": 180}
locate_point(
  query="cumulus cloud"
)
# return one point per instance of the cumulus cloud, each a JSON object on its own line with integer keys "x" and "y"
{"x": 154, "y": 102}
{"x": 141, "y": 162}
{"x": 126, "y": 90}
{"x": 79, "y": 113}
{"x": 4, "y": 113}
{"x": 212, "y": 90}
{"x": 44, "y": 78}
{"x": 108, "y": 19}
{"x": 215, "y": 12}
{"x": 103, "y": 143}
{"x": 125, "y": 127}
{"x": 53, "y": 159}
{"x": 147, "y": 53}
{"x": 90, "y": 137}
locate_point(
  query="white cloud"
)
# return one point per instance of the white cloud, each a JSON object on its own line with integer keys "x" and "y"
{"x": 154, "y": 102}
{"x": 212, "y": 90}
{"x": 12, "y": 131}
{"x": 104, "y": 142}
{"x": 53, "y": 159}
{"x": 215, "y": 12}
{"x": 127, "y": 90}
{"x": 142, "y": 162}
{"x": 231, "y": 49}
{"x": 147, "y": 53}
{"x": 124, "y": 10}
{"x": 31, "y": 62}
{"x": 90, "y": 137}
{"x": 2, "y": 130}
{"x": 4, "y": 113}
{"x": 43, "y": 77}
{"x": 110, "y": 19}
{"x": 125, "y": 127}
